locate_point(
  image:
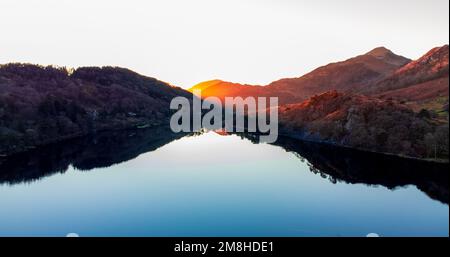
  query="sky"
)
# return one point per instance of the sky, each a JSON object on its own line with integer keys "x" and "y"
{"x": 244, "y": 41}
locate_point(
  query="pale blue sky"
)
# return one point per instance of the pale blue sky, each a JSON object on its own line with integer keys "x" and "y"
{"x": 185, "y": 42}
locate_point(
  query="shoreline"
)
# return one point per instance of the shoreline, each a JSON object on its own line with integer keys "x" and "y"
{"x": 283, "y": 134}
{"x": 62, "y": 139}
{"x": 329, "y": 143}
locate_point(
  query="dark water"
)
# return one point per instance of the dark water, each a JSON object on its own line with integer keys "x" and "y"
{"x": 155, "y": 183}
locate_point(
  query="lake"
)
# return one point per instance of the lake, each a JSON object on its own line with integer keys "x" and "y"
{"x": 155, "y": 183}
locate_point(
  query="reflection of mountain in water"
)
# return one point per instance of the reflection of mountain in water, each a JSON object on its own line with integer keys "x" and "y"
{"x": 97, "y": 151}
{"x": 351, "y": 166}
{"x": 335, "y": 163}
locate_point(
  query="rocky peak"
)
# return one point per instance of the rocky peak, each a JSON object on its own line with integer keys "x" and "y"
{"x": 388, "y": 56}
{"x": 380, "y": 52}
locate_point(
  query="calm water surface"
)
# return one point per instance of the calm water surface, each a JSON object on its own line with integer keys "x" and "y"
{"x": 206, "y": 185}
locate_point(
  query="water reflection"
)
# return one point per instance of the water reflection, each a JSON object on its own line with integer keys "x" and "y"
{"x": 336, "y": 164}
{"x": 96, "y": 151}
{"x": 350, "y": 166}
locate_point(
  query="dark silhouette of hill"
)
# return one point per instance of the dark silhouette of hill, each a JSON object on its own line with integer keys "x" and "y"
{"x": 40, "y": 105}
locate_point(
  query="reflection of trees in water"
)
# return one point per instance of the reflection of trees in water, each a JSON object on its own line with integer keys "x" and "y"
{"x": 332, "y": 163}
{"x": 339, "y": 164}
{"x": 97, "y": 151}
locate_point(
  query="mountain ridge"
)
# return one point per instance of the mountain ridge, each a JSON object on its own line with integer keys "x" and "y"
{"x": 376, "y": 73}
{"x": 370, "y": 67}
{"x": 362, "y": 99}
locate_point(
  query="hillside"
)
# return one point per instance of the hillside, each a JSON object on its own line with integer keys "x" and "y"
{"x": 351, "y": 75}
{"x": 206, "y": 84}
{"x": 421, "y": 84}
{"x": 365, "y": 123}
{"x": 431, "y": 66}
{"x": 222, "y": 89}
{"x": 377, "y": 101}
{"x": 39, "y": 105}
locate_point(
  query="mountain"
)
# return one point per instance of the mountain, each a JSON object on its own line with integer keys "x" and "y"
{"x": 422, "y": 84}
{"x": 351, "y": 75}
{"x": 206, "y": 84}
{"x": 387, "y": 56}
{"x": 378, "y": 101}
{"x": 222, "y": 89}
{"x": 41, "y": 105}
{"x": 366, "y": 123}
{"x": 402, "y": 110}
{"x": 432, "y": 65}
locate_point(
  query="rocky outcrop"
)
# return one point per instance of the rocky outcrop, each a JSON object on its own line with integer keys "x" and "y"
{"x": 362, "y": 122}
